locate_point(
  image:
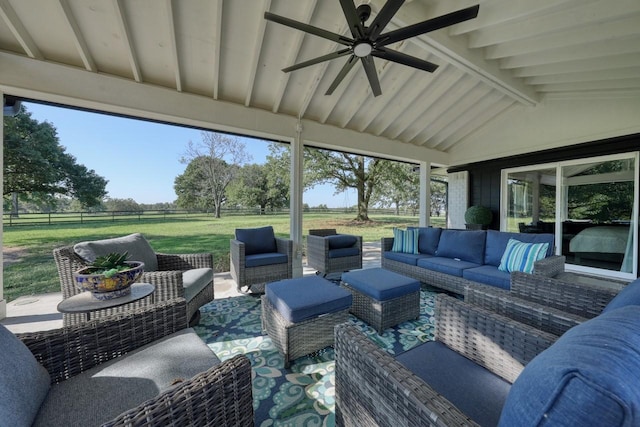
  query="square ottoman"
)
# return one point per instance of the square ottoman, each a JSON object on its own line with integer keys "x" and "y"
{"x": 382, "y": 298}
{"x": 299, "y": 314}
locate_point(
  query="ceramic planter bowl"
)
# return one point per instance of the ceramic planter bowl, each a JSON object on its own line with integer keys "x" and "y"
{"x": 103, "y": 287}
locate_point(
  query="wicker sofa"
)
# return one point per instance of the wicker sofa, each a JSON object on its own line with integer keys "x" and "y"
{"x": 454, "y": 259}
{"x": 143, "y": 368}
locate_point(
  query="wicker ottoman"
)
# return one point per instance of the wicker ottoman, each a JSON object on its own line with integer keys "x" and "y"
{"x": 299, "y": 314}
{"x": 383, "y": 298}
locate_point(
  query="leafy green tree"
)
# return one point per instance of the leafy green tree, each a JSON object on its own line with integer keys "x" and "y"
{"x": 37, "y": 167}
{"x": 254, "y": 186}
{"x": 211, "y": 166}
{"x": 345, "y": 171}
{"x": 399, "y": 186}
{"x": 122, "y": 205}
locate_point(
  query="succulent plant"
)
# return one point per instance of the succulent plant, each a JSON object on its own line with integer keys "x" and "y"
{"x": 110, "y": 264}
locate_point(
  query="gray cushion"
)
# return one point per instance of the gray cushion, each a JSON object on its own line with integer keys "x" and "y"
{"x": 135, "y": 244}
{"x": 257, "y": 240}
{"x": 24, "y": 383}
{"x": 195, "y": 280}
{"x": 105, "y": 391}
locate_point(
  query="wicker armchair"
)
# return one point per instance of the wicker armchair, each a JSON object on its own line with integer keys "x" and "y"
{"x": 222, "y": 395}
{"x": 168, "y": 281}
{"x": 327, "y": 259}
{"x": 273, "y": 256}
{"x": 553, "y": 304}
{"x": 374, "y": 389}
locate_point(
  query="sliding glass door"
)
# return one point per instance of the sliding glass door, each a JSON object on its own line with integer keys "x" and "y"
{"x": 589, "y": 204}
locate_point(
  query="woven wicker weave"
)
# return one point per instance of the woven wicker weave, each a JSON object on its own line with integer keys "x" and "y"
{"x": 318, "y": 254}
{"x": 373, "y": 389}
{"x": 221, "y": 395}
{"x": 246, "y": 277}
{"x": 384, "y": 314}
{"x": 549, "y": 266}
{"x": 167, "y": 280}
{"x": 294, "y": 340}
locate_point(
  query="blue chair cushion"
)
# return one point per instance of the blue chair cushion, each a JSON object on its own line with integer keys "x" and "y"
{"x": 489, "y": 275}
{"x": 496, "y": 243}
{"x": 343, "y": 252}
{"x": 380, "y": 284}
{"x": 476, "y": 391}
{"x": 306, "y": 297}
{"x": 454, "y": 267}
{"x": 462, "y": 244}
{"x": 259, "y": 260}
{"x": 341, "y": 241}
{"x": 630, "y": 295}
{"x": 257, "y": 240}
{"x": 428, "y": 238}
{"x": 24, "y": 384}
{"x": 589, "y": 377}
{"x": 410, "y": 259}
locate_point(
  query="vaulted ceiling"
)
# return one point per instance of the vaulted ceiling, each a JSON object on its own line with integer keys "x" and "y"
{"x": 516, "y": 55}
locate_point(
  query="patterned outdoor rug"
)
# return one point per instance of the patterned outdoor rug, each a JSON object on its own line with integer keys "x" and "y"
{"x": 302, "y": 395}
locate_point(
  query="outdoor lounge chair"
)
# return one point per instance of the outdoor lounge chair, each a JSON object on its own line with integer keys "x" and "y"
{"x": 188, "y": 276}
{"x": 143, "y": 368}
{"x": 258, "y": 257}
{"x": 329, "y": 252}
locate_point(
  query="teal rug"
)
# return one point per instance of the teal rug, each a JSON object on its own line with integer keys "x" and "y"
{"x": 302, "y": 395}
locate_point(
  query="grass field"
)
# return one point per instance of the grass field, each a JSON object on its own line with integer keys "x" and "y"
{"x": 29, "y": 267}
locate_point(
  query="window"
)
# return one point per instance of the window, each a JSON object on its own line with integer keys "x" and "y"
{"x": 589, "y": 204}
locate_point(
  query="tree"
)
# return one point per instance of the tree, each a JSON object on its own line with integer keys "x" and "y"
{"x": 211, "y": 165}
{"x": 344, "y": 171}
{"x": 255, "y": 186}
{"x": 122, "y": 205}
{"x": 37, "y": 167}
{"x": 399, "y": 186}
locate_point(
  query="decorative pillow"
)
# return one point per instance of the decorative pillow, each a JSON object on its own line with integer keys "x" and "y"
{"x": 405, "y": 240}
{"x": 25, "y": 383}
{"x": 520, "y": 256}
{"x": 135, "y": 244}
{"x": 257, "y": 240}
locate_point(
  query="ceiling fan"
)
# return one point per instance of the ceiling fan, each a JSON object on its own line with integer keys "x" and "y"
{"x": 369, "y": 41}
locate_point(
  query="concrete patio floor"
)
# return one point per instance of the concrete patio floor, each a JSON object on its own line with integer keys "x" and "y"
{"x": 38, "y": 312}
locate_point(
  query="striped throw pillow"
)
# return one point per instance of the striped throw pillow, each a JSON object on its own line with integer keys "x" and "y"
{"x": 405, "y": 241}
{"x": 519, "y": 256}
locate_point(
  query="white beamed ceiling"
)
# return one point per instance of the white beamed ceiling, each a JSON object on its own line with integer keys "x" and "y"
{"x": 516, "y": 57}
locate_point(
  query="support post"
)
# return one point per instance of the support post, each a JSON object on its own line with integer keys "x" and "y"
{"x": 296, "y": 190}
{"x": 425, "y": 194}
{"x": 3, "y": 302}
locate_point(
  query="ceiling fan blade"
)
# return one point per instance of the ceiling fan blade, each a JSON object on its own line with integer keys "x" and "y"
{"x": 342, "y": 74}
{"x": 401, "y": 58}
{"x": 428, "y": 25}
{"x": 382, "y": 19}
{"x": 372, "y": 75}
{"x": 308, "y": 28}
{"x": 327, "y": 57}
{"x": 349, "y": 10}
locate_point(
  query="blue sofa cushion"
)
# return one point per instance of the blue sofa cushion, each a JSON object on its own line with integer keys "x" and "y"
{"x": 462, "y": 244}
{"x": 341, "y": 241}
{"x": 519, "y": 256}
{"x": 589, "y": 377}
{"x": 477, "y": 392}
{"x": 381, "y": 284}
{"x": 630, "y": 295}
{"x": 405, "y": 241}
{"x": 257, "y": 240}
{"x": 450, "y": 266}
{"x": 24, "y": 384}
{"x": 496, "y": 243}
{"x": 489, "y": 275}
{"x": 410, "y": 259}
{"x": 343, "y": 252}
{"x": 259, "y": 260}
{"x": 428, "y": 238}
{"x": 306, "y": 297}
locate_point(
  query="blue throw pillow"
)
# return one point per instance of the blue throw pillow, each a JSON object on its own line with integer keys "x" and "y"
{"x": 519, "y": 256}
{"x": 589, "y": 377}
{"x": 405, "y": 241}
{"x": 428, "y": 238}
{"x": 257, "y": 240}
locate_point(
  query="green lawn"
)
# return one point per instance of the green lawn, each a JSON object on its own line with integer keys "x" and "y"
{"x": 35, "y": 271}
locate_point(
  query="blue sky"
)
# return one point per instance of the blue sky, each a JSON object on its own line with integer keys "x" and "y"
{"x": 141, "y": 159}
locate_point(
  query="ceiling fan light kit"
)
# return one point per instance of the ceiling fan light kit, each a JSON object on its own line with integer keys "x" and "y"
{"x": 369, "y": 41}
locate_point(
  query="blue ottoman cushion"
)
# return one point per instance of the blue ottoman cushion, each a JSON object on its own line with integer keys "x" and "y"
{"x": 381, "y": 284}
{"x": 306, "y": 297}
{"x": 630, "y": 295}
{"x": 589, "y": 377}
